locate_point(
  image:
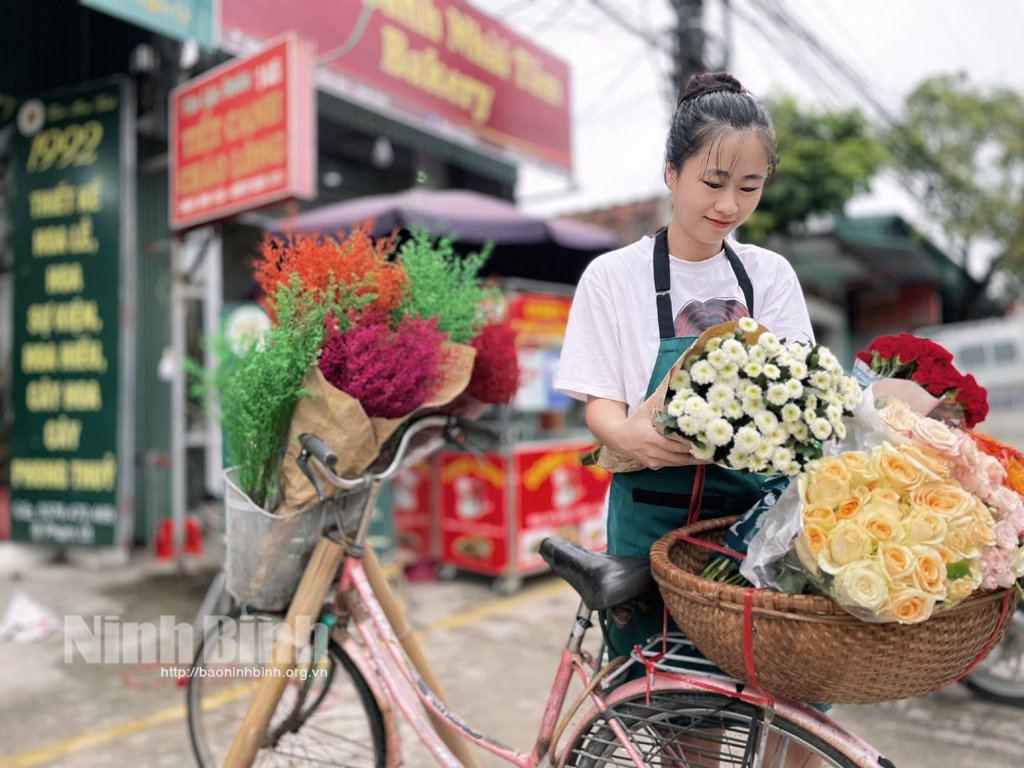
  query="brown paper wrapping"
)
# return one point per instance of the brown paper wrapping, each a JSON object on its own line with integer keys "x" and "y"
{"x": 614, "y": 461}
{"x": 340, "y": 421}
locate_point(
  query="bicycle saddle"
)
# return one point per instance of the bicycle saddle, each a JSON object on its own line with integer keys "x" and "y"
{"x": 603, "y": 581}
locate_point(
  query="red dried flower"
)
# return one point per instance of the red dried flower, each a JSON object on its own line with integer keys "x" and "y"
{"x": 496, "y": 368}
{"x": 349, "y": 259}
{"x": 390, "y": 372}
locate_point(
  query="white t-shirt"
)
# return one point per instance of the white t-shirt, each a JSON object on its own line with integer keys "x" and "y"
{"x": 612, "y": 339}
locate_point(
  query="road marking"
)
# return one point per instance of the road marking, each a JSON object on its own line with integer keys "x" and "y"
{"x": 39, "y": 755}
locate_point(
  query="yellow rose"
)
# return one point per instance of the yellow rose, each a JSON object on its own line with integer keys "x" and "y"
{"x": 858, "y": 464}
{"x": 850, "y": 507}
{"x": 981, "y": 513}
{"x": 848, "y": 542}
{"x": 944, "y": 499}
{"x": 820, "y": 515}
{"x": 896, "y": 469}
{"x": 960, "y": 543}
{"x": 898, "y": 417}
{"x": 928, "y": 459}
{"x": 962, "y": 588}
{"x": 882, "y": 527}
{"x": 924, "y": 527}
{"x": 817, "y": 539}
{"x": 862, "y": 586}
{"x": 980, "y": 533}
{"x": 897, "y": 561}
{"x": 829, "y": 482}
{"x": 885, "y": 502}
{"x": 935, "y": 435}
{"x": 908, "y": 605}
{"x": 929, "y": 571}
{"x": 948, "y": 555}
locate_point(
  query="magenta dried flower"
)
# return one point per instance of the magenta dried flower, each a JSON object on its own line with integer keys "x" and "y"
{"x": 390, "y": 370}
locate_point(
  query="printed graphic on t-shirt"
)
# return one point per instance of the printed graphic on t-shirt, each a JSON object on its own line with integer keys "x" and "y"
{"x": 697, "y": 316}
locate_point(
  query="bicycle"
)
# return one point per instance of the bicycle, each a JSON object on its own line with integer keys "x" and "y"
{"x": 348, "y": 687}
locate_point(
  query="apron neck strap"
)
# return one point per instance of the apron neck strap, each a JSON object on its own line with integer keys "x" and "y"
{"x": 663, "y": 283}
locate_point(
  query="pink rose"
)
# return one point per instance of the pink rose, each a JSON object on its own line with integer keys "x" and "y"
{"x": 967, "y": 451}
{"x": 1006, "y": 502}
{"x": 1006, "y": 535}
{"x": 993, "y": 470}
{"x": 973, "y": 480}
{"x": 935, "y": 435}
{"x": 997, "y": 568}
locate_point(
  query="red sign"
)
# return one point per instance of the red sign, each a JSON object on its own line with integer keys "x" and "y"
{"x": 539, "y": 319}
{"x": 411, "y": 498}
{"x": 243, "y": 135}
{"x": 474, "y": 520}
{"x": 435, "y": 60}
{"x": 558, "y": 497}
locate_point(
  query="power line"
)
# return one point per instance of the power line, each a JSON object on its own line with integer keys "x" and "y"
{"x": 650, "y": 37}
{"x": 552, "y": 17}
{"x": 612, "y": 86}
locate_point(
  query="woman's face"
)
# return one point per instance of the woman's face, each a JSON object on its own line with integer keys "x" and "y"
{"x": 717, "y": 189}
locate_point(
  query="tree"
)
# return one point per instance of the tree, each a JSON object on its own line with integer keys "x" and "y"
{"x": 825, "y": 158}
{"x": 962, "y": 149}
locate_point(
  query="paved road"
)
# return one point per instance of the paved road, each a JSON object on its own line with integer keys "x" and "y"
{"x": 496, "y": 658}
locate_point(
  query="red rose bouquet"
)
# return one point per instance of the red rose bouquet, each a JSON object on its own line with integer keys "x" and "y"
{"x": 927, "y": 364}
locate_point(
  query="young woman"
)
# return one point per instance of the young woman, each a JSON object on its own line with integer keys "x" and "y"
{"x": 637, "y": 309}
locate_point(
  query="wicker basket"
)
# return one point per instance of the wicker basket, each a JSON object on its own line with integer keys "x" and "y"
{"x": 806, "y": 647}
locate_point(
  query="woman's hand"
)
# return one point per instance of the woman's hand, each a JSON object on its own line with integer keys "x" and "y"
{"x": 635, "y": 435}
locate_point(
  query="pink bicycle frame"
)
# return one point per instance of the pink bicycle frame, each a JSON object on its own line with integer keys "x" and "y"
{"x": 385, "y": 672}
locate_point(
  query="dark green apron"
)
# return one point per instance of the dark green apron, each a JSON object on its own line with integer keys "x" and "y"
{"x": 643, "y": 506}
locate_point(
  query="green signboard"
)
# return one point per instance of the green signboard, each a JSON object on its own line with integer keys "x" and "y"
{"x": 177, "y": 19}
{"x": 70, "y": 450}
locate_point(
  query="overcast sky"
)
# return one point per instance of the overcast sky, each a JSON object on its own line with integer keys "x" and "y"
{"x": 621, "y": 109}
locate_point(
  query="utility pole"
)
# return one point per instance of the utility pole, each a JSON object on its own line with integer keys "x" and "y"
{"x": 689, "y": 41}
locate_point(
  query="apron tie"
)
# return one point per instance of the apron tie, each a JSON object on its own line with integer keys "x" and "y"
{"x": 696, "y": 495}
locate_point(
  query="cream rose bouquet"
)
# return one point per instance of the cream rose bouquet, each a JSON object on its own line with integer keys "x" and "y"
{"x": 906, "y": 520}
{"x": 746, "y": 400}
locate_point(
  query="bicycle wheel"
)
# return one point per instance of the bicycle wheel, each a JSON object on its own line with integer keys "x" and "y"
{"x": 327, "y": 715}
{"x": 1000, "y": 677}
{"x": 683, "y": 729}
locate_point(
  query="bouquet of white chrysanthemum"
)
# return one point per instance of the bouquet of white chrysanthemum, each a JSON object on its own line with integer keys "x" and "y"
{"x": 746, "y": 400}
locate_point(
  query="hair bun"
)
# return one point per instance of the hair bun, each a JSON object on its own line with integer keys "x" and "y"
{"x": 711, "y": 82}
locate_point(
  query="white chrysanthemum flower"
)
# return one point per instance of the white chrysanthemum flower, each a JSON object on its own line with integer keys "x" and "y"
{"x": 703, "y": 372}
{"x": 675, "y": 408}
{"x": 752, "y": 407}
{"x": 800, "y": 432}
{"x": 821, "y": 429}
{"x": 790, "y": 412}
{"x": 707, "y": 453}
{"x": 753, "y": 370}
{"x": 765, "y": 451}
{"x": 777, "y": 394}
{"x": 798, "y": 370}
{"x": 684, "y": 394}
{"x": 706, "y": 415}
{"x": 772, "y": 371}
{"x": 719, "y": 432}
{"x": 738, "y": 459}
{"x": 730, "y": 347}
{"x": 827, "y": 360}
{"x": 757, "y": 464}
{"x": 747, "y": 324}
{"x": 752, "y": 392}
{"x": 812, "y": 402}
{"x": 810, "y": 415}
{"x": 766, "y": 421}
{"x": 767, "y": 341}
{"x": 718, "y": 358}
{"x": 757, "y": 355}
{"x": 840, "y": 430}
{"x": 720, "y": 395}
{"x": 794, "y": 389}
{"x": 733, "y": 411}
{"x": 693, "y": 404}
{"x": 782, "y": 458}
{"x": 681, "y": 380}
{"x": 731, "y": 380}
{"x": 792, "y": 469}
{"x": 834, "y": 413}
{"x": 797, "y": 350}
{"x": 688, "y": 425}
{"x": 820, "y": 380}
{"x": 747, "y": 439}
{"x": 779, "y": 437}
{"x": 714, "y": 344}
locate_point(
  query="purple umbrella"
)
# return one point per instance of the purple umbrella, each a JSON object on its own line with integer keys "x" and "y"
{"x": 471, "y": 216}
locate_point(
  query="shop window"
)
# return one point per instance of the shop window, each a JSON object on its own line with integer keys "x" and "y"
{"x": 972, "y": 356}
{"x": 1005, "y": 352}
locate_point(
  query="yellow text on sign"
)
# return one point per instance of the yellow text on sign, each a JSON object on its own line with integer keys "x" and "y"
{"x": 60, "y": 147}
{"x": 46, "y": 395}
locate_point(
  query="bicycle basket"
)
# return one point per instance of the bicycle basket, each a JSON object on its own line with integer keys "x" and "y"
{"x": 267, "y": 553}
{"x": 807, "y": 648}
